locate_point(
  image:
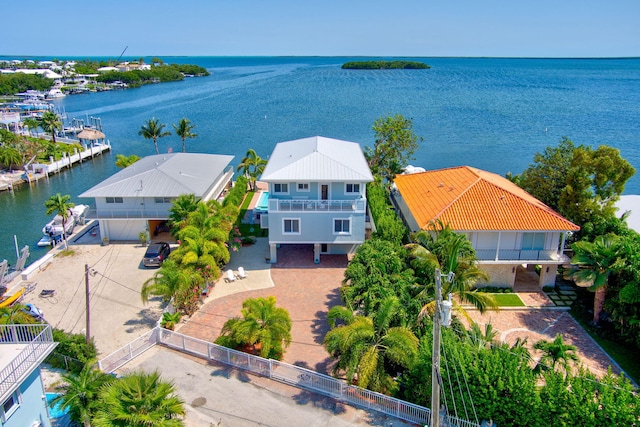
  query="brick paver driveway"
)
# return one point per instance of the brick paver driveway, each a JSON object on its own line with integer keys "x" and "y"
{"x": 305, "y": 289}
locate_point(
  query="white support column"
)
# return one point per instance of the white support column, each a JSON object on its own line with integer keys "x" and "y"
{"x": 273, "y": 252}
{"x": 316, "y": 253}
{"x": 498, "y": 246}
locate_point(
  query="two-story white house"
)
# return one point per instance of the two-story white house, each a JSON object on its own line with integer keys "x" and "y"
{"x": 506, "y": 225}
{"x": 138, "y": 197}
{"x": 317, "y": 195}
{"x": 23, "y": 348}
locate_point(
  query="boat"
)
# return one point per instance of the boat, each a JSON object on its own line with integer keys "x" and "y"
{"x": 52, "y": 231}
{"x": 55, "y": 94}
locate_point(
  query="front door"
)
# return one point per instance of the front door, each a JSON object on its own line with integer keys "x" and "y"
{"x": 324, "y": 189}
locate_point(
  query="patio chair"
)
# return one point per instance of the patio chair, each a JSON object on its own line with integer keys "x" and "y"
{"x": 230, "y": 276}
{"x": 241, "y": 273}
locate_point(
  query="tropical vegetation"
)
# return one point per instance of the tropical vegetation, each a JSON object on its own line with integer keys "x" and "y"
{"x": 152, "y": 129}
{"x": 252, "y": 167}
{"x": 263, "y": 329}
{"x": 384, "y": 65}
{"x": 206, "y": 233}
{"x": 394, "y": 146}
{"x": 184, "y": 129}
{"x": 123, "y": 161}
{"x": 137, "y": 399}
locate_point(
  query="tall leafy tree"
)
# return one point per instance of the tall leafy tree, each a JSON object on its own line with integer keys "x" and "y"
{"x": 153, "y": 129}
{"x": 123, "y": 161}
{"x": 79, "y": 392}
{"x": 10, "y": 156}
{"x": 61, "y": 206}
{"x": 364, "y": 346}
{"x": 51, "y": 123}
{"x": 394, "y": 146}
{"x": 442, "y": 248}
{"x": 263, "y": 324}
{"x": 555, "y": 353}
{"x": 184, "y": 130}
{"x": 139, "y": 400}
{"x": 252, "y": 167}
{"x": 593, "y": 263}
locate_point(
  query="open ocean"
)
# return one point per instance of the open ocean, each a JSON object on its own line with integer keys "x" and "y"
{"x": 494, "y": 114}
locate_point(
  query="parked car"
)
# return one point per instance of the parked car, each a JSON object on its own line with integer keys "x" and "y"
{"x": 156, "y": 254}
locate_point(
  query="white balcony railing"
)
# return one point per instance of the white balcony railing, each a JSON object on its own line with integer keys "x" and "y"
{"x": 517, "y": 255}
{"x": 38, "y": 341}
{"x": 128, "y": 213}
{"x": 289, "y": 205}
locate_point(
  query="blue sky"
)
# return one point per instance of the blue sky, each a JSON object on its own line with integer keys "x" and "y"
{"x": 535, "y": 28}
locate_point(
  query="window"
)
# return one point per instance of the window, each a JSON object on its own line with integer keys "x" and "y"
{"x": 353, "y": 188}
{"x": 341, "y": 226}
{"x": 162, "y": 200}
{"x": 115, "y": 200}
{"x": 303, "y": 186}
{"x": 10, "y": 405}
{"x": 532, "y": 241}
{"x": 291, "y": 226}
{"x": 280, "y": 188}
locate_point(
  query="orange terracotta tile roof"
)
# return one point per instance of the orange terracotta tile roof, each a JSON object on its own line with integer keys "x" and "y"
{"x": 472, "y": 199}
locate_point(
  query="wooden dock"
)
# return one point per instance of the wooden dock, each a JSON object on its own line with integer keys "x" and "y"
{"x": 43, "y": 170}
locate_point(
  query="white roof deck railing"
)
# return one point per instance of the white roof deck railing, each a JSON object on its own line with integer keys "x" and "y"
{"x": 292, "y": 205}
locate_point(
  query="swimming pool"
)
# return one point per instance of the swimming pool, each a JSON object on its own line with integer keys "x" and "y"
{"x": 263, "y": 202}
{"x": 55, "y": 411}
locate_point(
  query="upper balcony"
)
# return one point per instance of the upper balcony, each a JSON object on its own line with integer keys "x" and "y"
{"x": 125, "y": 213}
{"x": 520, "y": 256}
{"x": 294, "y": 205}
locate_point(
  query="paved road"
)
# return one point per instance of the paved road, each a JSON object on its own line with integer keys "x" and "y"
{"x": 216, "y": 395}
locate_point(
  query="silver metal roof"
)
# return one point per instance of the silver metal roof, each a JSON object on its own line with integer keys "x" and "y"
{"x": 164, "y": 175}
{"x": 317, "y": 159}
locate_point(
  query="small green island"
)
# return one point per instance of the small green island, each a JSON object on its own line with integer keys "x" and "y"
{"x": 385, "y": 65}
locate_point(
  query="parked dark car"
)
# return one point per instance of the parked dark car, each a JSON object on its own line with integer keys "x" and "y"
{"x": 156, "y": 254}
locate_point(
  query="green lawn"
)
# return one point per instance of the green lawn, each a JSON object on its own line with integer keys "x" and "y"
{"x": 622, "y": 354}
{"x": 508, "y": 300}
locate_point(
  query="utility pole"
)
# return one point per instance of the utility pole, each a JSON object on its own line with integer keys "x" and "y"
{"x": 88, "y": 305}
{"x": 442, "y": 317}
{"x": 435, "y": 356}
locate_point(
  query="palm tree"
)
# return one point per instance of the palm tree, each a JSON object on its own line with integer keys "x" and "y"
{"x": 51, "y": 123}
{"x": 252, "y": 167}
{"x": 363, "y": 346}
{"x": 444, "y": 249}
{"x": 16, "y": 314}
{"x": 61, "y": 206}
{"x": 10, "y": 156}
{"x": 262, "y": 323}
{"x": 479, "y": 339}
{"x": 183, "y": 130}
{"x": 139, "y": 400}
{"x": 123, "y": 161}
{"x": 31, "y": 124}
{"x": 79, "y": 393}
{"x": 179, "y": 211}
{"x": 169, "y": 281}
{"x": 555, "y": 352}
{"x": 153, "y": 129}
{"x": 594, "y": 262}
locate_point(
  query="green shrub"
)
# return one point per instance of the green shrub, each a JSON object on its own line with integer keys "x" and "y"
{"x": 73, "y": 346}
{"x": 388, "y": 225}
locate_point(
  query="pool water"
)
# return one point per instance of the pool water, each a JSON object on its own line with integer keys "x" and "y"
{"x": 263, "y": 202}
{"x": 55, "y": 411}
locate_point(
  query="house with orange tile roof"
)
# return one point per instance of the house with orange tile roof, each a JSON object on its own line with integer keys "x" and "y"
{"x": 507, "y": 226}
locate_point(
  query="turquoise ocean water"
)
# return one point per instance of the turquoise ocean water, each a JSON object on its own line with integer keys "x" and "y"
{"x": 493, "y": 114}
